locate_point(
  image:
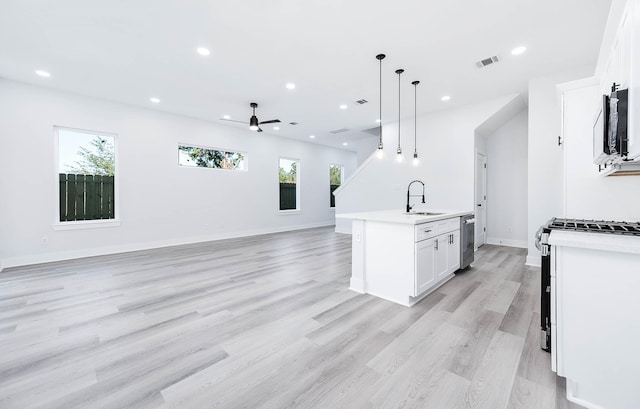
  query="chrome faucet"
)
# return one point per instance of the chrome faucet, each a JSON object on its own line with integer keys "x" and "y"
{"x": 409, "y": 195}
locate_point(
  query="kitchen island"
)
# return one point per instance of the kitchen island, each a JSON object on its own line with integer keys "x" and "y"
{"x": 403, "y": 257}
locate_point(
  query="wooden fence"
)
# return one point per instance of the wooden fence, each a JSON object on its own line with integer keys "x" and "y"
{"x": 86, "y": 197}
{"x": 287, "y": 196}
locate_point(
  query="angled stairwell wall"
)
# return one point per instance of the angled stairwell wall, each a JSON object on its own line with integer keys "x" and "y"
{"x": 446, "y": 147}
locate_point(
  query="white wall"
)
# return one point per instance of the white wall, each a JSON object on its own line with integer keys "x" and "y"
{"x": 160, "y": 203}
{"x": 507, "y": 183}
{"x": 446, "y": 149}
{"x": 589, "y": 194}
{"x": 545, "y": 157}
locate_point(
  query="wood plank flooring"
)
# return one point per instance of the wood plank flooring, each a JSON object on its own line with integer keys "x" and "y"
{"x": 268, "y": 322}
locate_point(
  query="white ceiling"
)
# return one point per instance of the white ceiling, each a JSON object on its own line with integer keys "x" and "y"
{"x": 129, "y": 51}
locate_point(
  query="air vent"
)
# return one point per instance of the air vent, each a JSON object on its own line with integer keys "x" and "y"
{"x": 337, "y": 131}
{"x": 361, "y": 101}
{"x": 487, "y": 61}
{"x": 293, "y": 123}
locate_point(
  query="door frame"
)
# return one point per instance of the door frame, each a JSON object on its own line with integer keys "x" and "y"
{"x": 481, "y": 185}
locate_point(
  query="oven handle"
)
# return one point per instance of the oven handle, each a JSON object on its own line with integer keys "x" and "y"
{"x": 538, "y": 237}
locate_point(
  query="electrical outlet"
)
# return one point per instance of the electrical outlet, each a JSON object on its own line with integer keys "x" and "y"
{"x": 44, "y": 240}
{"x": 509, "y": 229}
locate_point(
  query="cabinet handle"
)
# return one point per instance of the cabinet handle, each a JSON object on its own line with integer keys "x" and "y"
{"x": 436, "y": 244}
{"x": 451, "y": 239}
{"x": 426, "y": 231}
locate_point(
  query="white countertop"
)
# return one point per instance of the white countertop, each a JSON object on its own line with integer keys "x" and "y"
{"x": 400, "y": 217}
{"x": 595, "y": 241}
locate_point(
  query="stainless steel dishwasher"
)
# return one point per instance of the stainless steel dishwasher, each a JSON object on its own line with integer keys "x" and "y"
{"x": 467, "y": 234}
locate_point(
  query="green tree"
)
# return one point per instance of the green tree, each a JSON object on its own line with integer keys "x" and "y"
{"x": 211, "y": 158}
{"x": 98, "y": 159}
{"x": 290, "y": 176}
{"x": 335, "y": 177}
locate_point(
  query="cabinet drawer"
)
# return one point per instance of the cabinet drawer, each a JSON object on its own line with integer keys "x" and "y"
{"x": 449, "y": 225}
{"x": 425, "y": 231}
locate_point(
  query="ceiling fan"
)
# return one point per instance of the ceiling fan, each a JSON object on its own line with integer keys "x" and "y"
{"x": 254, "y": 124}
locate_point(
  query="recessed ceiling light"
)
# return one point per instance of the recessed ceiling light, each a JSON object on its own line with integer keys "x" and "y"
{"x": 226, "y": 117}
{"x": 378, "y": 121}
{"x": 276, "y": 128}
{"x": 519, "y": 50}
{"x": 345, "y": 143}
{"x": 154, "y": 100}
{"x": 203, "y": 51}
{"x": 343, "y": 106}
{"x": 312, "y": 136}
{"x": 43, "y": 73}
{"x": 445, "y": 98}
{"x": 291, "y": 85}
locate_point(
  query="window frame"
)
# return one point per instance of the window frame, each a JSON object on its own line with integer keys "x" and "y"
{"x": 244, "y": 153}
{"x": 85, "y": 224}
{"x": 298, "y": 208}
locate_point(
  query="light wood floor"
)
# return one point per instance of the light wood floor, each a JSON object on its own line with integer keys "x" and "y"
{"x": 268, "y": 322}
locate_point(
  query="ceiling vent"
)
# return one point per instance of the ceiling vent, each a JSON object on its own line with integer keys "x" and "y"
{"x": 361, "y": 101}
{"x": 487, "y": 61}
{"x": 337, "y": 131}
{"x": 293, "y": 123}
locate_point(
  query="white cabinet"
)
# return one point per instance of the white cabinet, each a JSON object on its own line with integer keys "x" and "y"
{"x": 437, "y": 257}
{"x": 442, "y": 255}
{"x": 425, "y": 266}
{"x": 454, "y": 251}
{"x": 595, "y": 328}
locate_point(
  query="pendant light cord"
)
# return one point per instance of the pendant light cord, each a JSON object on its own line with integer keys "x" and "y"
{"x": 399, "y": 72}
{"x": 380, "y": 57}
{"x": 415, "y": 117}
{"x": 380, "y": 107}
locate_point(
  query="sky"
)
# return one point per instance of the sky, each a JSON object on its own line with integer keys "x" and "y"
{"x": 69, "y": 143}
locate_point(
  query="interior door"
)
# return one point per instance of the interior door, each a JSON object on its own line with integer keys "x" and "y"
{"x": 481, "y": 200}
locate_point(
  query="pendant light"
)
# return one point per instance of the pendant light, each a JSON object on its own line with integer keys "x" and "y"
{"x": 416, "y": 161}
{"x": 380, "y": 152}
{"x": 399, "y": 156}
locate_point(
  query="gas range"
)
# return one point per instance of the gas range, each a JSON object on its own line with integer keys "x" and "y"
{"x": 595, "y": 226}
{"x": 542, "y": 243}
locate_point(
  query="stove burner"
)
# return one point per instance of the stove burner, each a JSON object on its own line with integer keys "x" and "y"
{"x": 596, "y": 226}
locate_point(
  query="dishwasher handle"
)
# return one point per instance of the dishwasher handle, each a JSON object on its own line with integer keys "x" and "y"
{"x": 470, "y": 221}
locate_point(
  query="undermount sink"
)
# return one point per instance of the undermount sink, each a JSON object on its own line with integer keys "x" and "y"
{"x": 423, "y": 213}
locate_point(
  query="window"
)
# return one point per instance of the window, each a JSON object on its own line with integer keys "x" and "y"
{"x": 288, "y": 178}
{"x": 195, "y": 156}
{"x": 335, "y": 180}
{"x": 86, "y": 175}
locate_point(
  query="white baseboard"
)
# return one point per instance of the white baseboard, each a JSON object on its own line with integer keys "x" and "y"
{"x": 533, "y": 260}
{"x": 507, "y": 242}
{"x": 126, "y": 248}
{"x": 343, "y": 226}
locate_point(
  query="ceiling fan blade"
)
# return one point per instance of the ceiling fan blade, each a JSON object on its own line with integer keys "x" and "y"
{"x": 233, "y": 120}
{"x": 271, "y": 121}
